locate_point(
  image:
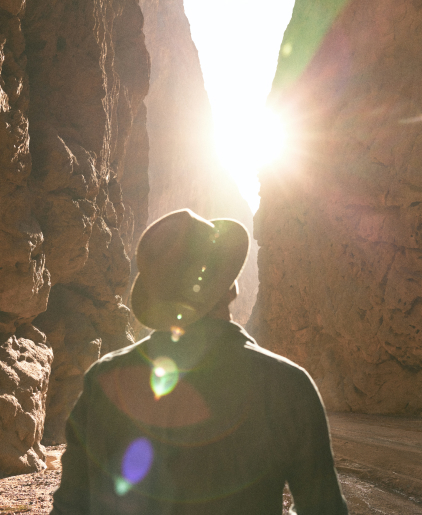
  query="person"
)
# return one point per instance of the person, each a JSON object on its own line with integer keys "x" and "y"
{"x": 196, "y": 418}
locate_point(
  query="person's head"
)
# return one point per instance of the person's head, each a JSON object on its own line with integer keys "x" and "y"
{"x": 187, "y": 265}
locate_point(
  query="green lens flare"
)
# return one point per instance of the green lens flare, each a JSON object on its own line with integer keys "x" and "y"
{"x": 121, "y": 486}
{"x": 164, "y": 376}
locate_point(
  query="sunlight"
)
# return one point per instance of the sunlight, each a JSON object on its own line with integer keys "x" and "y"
{"x": 245, "y": 144}
{"x": 238, "y": 46}
{"x": 253, "y": 141}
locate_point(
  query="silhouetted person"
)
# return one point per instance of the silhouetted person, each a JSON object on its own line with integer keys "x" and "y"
{"x": 196, "y": 419}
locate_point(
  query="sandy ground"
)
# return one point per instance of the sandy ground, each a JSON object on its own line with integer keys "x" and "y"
{"x": 32, "y": 493}
{"x": 379, "y": 460}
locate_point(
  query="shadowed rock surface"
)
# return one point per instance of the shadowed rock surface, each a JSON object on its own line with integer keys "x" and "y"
{"x": 24, "y": 279}
{"x": 340, "y": 219}
{"x": 73, "y": 199}
{"x": 184, "y": 171}
{"x": 88, "y": 70}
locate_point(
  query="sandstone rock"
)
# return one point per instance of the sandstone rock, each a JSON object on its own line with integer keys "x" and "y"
{"x": 89, "y": 70}
{"x": 13, "y": 7}
{"x": 53, "y": 460}
{"x": 24, "y": 373}
{"x": 24, "y": 279}
{"x": 340, "y": 219}
{"x": 184, "y": 171}
{"x": 65, "y": 223}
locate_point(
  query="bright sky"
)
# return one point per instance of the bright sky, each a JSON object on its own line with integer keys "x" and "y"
{"x": 238, "y": 42}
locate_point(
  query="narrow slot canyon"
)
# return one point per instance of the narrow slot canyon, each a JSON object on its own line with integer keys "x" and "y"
{"x": 107, "y": 124}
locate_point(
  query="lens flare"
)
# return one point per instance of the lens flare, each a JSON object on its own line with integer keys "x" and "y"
{"x": 176, "y": 333}
{"x": 164, "y": 376}
{"x": 286, "y": 49}
{"x": 136, "y": 463}
{"x": 160, "y": 372}
{"x": 121, "y": 486}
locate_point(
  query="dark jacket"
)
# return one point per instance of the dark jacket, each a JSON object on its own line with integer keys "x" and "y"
{"x": 233, "y": 423}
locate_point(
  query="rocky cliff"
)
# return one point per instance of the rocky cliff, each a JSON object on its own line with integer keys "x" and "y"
{"x": 340, "y": 221}
{"x": 73, "y": 198}
{"x": 184, "y": 170}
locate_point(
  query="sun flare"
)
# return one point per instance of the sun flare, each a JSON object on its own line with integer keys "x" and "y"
{"x": 245, "y": 144}
{"x": 238, "y": 47}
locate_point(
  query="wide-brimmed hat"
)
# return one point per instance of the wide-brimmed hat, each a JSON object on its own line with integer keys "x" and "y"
{"x": 186, "y": 264}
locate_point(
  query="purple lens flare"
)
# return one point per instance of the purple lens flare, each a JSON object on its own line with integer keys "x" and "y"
{"x": 137, "y": 460}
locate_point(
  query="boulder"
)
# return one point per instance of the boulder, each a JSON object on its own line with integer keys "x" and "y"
{"x": 24, "y": 373}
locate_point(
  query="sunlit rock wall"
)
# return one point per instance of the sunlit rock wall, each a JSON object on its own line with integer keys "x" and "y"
{"x": 340, "y": 223}
{"x": 73, "y": 198}
{"x": 184, "y": 171}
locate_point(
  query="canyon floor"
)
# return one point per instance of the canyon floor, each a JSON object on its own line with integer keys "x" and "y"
{"x": 379, "y": 460}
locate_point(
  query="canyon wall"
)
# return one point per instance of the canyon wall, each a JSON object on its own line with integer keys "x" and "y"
{"x": 184, "y": 170}
{"x": 340, "y": 222}
{"x": 73, "y": 199}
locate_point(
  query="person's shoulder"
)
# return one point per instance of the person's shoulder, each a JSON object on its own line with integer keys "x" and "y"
{"x": 274, "y": 366}
{"x": 263, "y": 358}
{"x": 273, "y": 359}
{"x": 277, "y": 374}
{"x": 118, "y": 358}
{"x": 123, "y": 353}
{"x": 264, "y": 355}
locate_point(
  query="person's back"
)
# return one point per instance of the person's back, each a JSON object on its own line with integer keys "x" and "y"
{"x": 199, "y": 420}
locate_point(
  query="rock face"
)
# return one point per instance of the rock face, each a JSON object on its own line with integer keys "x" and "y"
{"x": 24, "y": 279}
{"x": 73, "y": 199}
{"x": 340, "y": 222}
{"x": 89, "y": 148}
{"x": 24, "y": 372}
{"x": 184, "y": 171}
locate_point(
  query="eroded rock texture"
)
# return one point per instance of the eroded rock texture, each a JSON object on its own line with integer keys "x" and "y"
{"x": 184, "y": 171}
{"x": 341, "y": 218}
{"x": 24, "y": 373}
{"x": 88, "y": 70}
{"x": 73, "y": 76}
{"x": 24, "y": 279}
